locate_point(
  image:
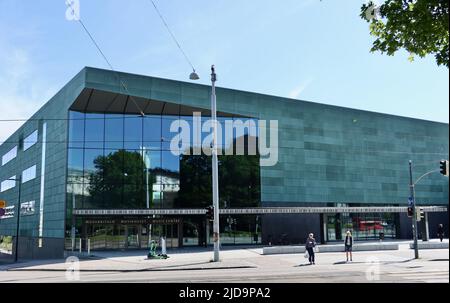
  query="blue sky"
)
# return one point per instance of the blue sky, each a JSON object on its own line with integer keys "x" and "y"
{"x": 306, "y": 49}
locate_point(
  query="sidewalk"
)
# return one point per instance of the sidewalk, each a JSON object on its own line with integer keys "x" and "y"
{"x": 196, "y": 259}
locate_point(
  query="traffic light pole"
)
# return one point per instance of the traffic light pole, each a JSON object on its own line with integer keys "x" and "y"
{"x": 215, "y": 168}
{"x": 411, "y": 188}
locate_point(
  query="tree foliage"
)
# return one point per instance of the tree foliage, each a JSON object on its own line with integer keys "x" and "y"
{"x": 418, "y": 26}
{"x": 238, "y": 181}
{"x": 119, "y": 181}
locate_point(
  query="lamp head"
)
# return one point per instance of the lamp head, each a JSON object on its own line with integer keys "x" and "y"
{"x": 194, "y": 76}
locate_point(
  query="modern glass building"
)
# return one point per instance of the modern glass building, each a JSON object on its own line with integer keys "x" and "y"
{"x": 97, "y": 167}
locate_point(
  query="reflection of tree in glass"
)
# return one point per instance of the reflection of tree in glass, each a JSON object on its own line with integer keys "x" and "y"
{"x": 239, "y": 184}
{"x": 119, "y": 181}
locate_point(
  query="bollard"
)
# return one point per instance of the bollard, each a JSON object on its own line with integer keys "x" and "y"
{"x": 80, "y": 245}
{"x": 89, "y": 247}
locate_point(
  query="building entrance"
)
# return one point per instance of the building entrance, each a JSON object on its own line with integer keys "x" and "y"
{"x": 124, "y": 234}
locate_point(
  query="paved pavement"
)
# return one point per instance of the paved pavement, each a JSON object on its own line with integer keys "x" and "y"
{"x": 240, "y": 265}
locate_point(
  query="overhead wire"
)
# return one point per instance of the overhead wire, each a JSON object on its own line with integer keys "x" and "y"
{"x": 122, "y": 84}
{"x": 172, "y": 35}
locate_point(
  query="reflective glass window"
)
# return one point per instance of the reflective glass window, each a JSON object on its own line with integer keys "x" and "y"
{"x": 93, "y": 163}
{"x": 30, "y": 140}
{"x": 76, "y": 129}
{"x": 113, "y": 178}
{"x": 114, "y": 131}
{"x": 166, "y": 134}
{"x": 133, "y": 185}
{"x": 8, "y": 184}
{"x": 29, "y": 174}
{"x": 75, "y": 165}
{"x": 152, "y": 131}
{"x": 94, "y": 130}
{"x": 170, "y": 178}
{"x": 133, "y": 132}
{"x": 152, "y": 177}
{"x": 9, "y": 155}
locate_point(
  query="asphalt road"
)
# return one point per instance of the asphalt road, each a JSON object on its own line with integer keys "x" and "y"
{"x": 241, "y": 265}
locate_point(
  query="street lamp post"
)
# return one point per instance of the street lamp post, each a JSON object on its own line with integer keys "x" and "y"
{"x": 411, "y": 188}
{"x": 215, "y": 168}
{"x": 16, "y": 245}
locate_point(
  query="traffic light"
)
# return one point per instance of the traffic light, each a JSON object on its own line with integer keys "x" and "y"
{"x": 410, "y": 212}
{"x": 210, "y": 213}
{"x": 421, "y": 213}
{"x": 444, "y": 167}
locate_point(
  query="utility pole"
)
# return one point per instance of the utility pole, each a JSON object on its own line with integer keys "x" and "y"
{"x": 17, "y": 211}
{"x": 215, "y": 167}
{"x": 411, "y": 188}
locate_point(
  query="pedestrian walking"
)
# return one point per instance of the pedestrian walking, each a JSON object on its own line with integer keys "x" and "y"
{"x": 441, "y": 232}
{"x": 348, "y": 243}
{"x": 310, "y": 244}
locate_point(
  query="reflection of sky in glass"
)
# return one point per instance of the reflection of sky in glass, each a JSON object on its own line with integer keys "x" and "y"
{"x": 76, "y": 127}
{"x": 89, "y": 156}
{"x": 170, "y": 162}
{"x": 94, "y": 131}
{"x": 152, "y": 129}
{"x": 114, "y": 131}
{"x": 150, "y": 137}
{"x": 133, "y": 132}
{"x": 76, "y": 159}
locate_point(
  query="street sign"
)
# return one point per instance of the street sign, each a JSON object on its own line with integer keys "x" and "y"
{"x": 2, "y": 204}
{"x": 410, "y": 201}
{"x": 2, "y": 212}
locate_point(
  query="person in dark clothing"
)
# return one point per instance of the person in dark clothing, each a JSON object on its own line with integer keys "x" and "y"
{"x": 310, "y": 244}
{"x": 441, "y": 232}
{"x": 348, "y": 245}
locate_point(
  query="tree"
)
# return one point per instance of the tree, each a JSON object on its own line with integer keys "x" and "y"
{"x": 418, "y": 26}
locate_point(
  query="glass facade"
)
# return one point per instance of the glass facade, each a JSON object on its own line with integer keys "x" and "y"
{"x": 118, "y": 161}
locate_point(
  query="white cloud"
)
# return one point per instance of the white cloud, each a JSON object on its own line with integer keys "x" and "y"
{"x": 298, "y": 90}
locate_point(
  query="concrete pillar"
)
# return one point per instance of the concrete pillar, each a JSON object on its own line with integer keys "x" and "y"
{"x": 126, "y": 236}
{"x": 207, "y": 232}
{"x": 425, "y": 229}
{"x": 180, "y": 233}
{"x": 324, "y": 232}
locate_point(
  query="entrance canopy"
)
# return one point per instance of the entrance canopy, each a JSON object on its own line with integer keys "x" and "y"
{"x": 98, "y": 101}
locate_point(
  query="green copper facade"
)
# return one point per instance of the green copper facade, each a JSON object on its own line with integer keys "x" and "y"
{"x": 327, "y": 154}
